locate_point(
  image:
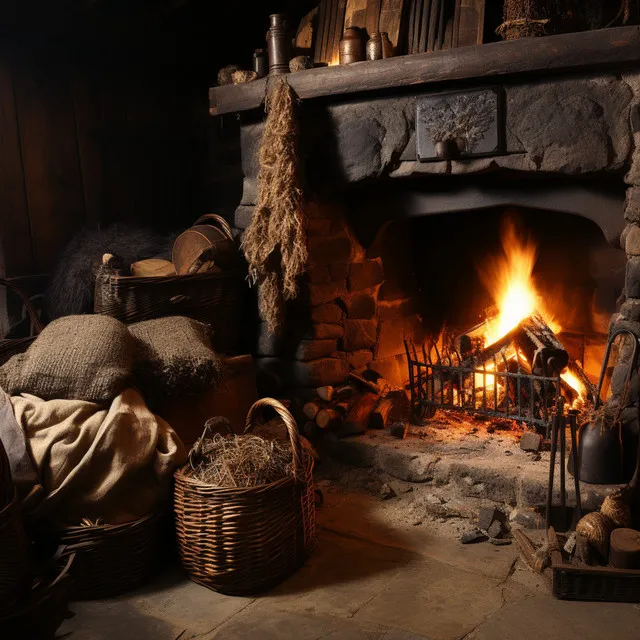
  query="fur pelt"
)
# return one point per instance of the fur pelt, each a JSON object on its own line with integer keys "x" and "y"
{"x": 70, "y": 291}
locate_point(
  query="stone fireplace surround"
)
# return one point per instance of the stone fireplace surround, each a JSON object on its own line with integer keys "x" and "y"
{"x": 350, "y": 313}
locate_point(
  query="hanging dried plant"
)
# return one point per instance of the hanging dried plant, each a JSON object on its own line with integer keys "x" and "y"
{"x": 275, "y": 243}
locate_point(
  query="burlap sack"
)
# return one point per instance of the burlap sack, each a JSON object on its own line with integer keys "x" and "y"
{"x": 174, "y": 357}
{"x": 88, "y": 357}
{"x": 114, "y": 463}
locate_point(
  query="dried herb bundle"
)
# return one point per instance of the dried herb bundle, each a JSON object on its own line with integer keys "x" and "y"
{"x": 275, "y": 243}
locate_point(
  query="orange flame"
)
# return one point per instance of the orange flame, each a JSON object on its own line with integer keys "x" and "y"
{"x": 509, "y": 280}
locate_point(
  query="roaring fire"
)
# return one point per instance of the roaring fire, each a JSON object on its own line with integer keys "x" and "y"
{"x": 574, "y": 382}
{"x": 509, "y": 279}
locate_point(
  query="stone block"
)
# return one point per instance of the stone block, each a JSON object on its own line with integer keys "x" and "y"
{"x": 318, "y": 226}
{"x": 630, "y": 310}
{"x": 407, "y": 464}
{"x": 324, "y": 293}
{"x": 324, "y": 251}
{"x": 365, "y": 274}
{"x": 327, "y": 314}
{"x": 359, "y": 334}
{"x": 249, "y": 191}
{"x": 632, "y": 278}
{"x": 315, "y": 349}
{"x": 318, "y": 275}
{"x": 361, "y": 306}
{"x": 250, "y": 139}
{"x": 339, "y": 270}
{"x": 318, "y": 373}
{"x": 530, "y": 441}
{"x": 360, "y": 358}
{"x": 632, "y": 205}
{"x": 243, "y": 215}
{"x": 572, "y": 126}
{"x": 632, "y": 240}
{"x": 326, "y": 331}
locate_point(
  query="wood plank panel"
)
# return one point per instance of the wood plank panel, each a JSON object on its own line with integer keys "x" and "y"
{"x": 356, "y": 14}
{"x": 471, "y": 25}
{"x": 16, "y": 255}
{"x": 50, "y": 156}
{"x": 393, "y": 17}
{"x": 564, "y": 53}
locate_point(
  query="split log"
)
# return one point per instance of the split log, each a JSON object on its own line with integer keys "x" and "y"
{"x": 542, "y": 346}
{"x": 328, "y": 418}
{"x": 401, "y": 407}
{"x": 363, "y": 382}
{"x": 528, "y": 551}
{"x": 357, "y": 420}
{"x": 344, "y": 392}
{"x": 311, "y": 409}
{"x": 325, "y": 393}
{"x": 380, "y": 415}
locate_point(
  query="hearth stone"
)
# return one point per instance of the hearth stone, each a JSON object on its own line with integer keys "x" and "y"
{"x": 327, "y": 313}
{"x": 632, "y": 204}
{"x": 318, "y": 373}
{"x": 365, "y": 274}
{"x": 321, "y": 294}
{"x": 315, "y": 349}
{"x": 360, "y": 358}
{"x": 249, "y": 191}
{"x": 324, "y": 331}
{"x": 464, "y": 473}
{"x": 361, "y": 306}
{"x": 359, "y": 334}
{"x": 324, "y": 251}
{"x": 243, "y": 215}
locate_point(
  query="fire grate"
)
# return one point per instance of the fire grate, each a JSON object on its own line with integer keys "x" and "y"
{"x": 498, "y": 387}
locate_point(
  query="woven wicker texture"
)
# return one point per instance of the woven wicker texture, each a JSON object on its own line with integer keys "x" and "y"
{"x": 112, "y": 559}
{"x": 14, "y": 558}
{"x": 43, "y": 611}
{"x": 216, "y": 298}
{"x": 242, "y": 541}
{"x": 10, "y": 346}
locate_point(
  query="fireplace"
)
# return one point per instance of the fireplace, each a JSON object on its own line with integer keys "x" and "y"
{"x": 400, "y": 232}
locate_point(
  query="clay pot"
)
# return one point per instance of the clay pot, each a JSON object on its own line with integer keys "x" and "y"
{"x": 374, "y": 47}
{"x": 352, "y": 47}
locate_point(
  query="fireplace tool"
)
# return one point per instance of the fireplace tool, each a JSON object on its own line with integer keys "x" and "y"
{"x": 600, "y": 440}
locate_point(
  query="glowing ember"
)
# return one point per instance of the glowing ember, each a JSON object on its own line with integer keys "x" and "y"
{"x": 509, "y": 280}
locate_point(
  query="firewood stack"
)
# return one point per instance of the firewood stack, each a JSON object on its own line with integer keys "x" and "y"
{"x": 365, "y": 401}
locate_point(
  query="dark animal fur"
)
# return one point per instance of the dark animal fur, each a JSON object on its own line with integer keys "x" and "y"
{"x": 71, "y": 289}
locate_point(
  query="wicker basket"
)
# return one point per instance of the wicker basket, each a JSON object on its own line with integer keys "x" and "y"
{"x": 10, "y": 346}
{"x": 242, "y": 541}
{"x": 44, "y": 609}
{"x": 113, "y": 558}
{"x": 217, "y": 298}
{"x": 14, "y": 553}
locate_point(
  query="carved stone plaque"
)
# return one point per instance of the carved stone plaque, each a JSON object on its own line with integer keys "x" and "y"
{"x": 466, "y": 123}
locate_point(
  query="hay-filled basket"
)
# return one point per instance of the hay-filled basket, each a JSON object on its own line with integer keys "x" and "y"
{"x": 243, "y": 540}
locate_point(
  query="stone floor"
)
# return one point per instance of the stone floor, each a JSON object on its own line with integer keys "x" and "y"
{"x": 369, "y": 579}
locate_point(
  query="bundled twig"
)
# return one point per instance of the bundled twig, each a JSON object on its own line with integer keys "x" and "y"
{"x": 275, "y": 244}
{"x": 242, "y": 461}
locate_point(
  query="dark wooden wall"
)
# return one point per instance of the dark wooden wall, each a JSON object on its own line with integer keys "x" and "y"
{"x": 92, "y": 141}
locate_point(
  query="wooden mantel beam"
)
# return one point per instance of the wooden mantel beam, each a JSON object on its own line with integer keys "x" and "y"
{"x": 586, "y": 50}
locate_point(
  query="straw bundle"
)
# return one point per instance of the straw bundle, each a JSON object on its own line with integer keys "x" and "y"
{"x": 275, "y": 243}
{"x": 242, "y": 461}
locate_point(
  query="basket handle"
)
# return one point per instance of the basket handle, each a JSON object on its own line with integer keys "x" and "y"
{"x": 218, "y": 220}
{"x": 36, "y": 325}
{"x": 290, "y": 423}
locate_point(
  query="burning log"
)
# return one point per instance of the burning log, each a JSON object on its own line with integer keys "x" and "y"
{"x": 544, "y": 351}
